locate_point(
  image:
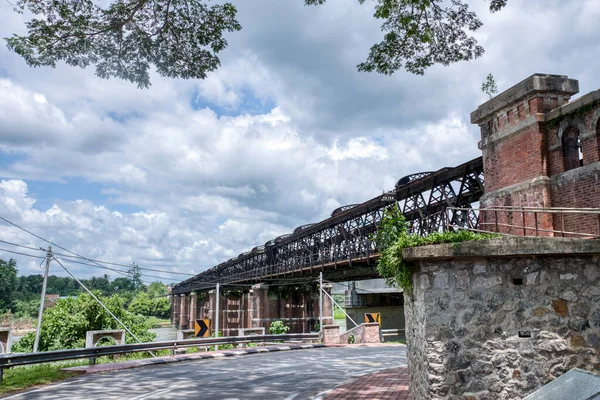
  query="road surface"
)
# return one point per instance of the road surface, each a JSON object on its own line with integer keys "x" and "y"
{"x": 285, "y": 375}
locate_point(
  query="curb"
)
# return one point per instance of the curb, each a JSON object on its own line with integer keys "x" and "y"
{"x": 90, "y": 369}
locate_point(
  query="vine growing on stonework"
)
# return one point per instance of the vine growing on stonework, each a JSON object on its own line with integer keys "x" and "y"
{"x": 393, "y": 236}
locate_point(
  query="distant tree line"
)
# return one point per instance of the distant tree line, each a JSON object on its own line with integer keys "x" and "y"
{"x": 21, "y": 294}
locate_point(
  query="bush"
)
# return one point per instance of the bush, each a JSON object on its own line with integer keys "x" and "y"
{"x": 26, "y": 309}
{"x": 393, "y": 236}
{"x": 64, "y": 326}
{"x": 278, "y": 328}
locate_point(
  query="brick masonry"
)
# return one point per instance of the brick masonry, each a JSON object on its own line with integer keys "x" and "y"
{"x": 498, "y": 319}
{"x": 255, "y": 308}
{"x": 527, "y": 161}
{"x": 363, "y": 333}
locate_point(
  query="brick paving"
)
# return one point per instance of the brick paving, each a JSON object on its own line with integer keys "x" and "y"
{"x": 390, "y": 384}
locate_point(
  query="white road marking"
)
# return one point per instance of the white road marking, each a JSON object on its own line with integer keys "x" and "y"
{"x": 157, "y": 392}
{"x": 291, "y": 396}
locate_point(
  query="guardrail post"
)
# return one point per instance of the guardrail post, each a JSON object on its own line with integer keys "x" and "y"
{"x": 1, "y": 374}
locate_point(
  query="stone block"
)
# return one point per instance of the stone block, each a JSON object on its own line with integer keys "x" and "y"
{"x": 440, "y": 280}
{"x": 462, "y": 279}
{"x": 487, "y": 283}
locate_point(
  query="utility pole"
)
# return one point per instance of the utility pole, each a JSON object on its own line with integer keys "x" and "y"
{"x": 321, "y": 301}
{"x": 39, "y": 325}
{"x": 218, "y": 290}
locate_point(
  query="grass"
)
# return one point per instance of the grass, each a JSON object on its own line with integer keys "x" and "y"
{"x": 26, "y": 376}
{"x": 19, "y": 378}
{"x": 338, "y": 314}
{"x": 159, "y": 322}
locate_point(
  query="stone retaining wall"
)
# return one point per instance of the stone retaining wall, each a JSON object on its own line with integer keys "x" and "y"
{"x": 498, "y": 319}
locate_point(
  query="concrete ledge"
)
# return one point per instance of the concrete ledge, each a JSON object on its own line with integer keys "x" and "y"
{"x": 535, "y": 83}
{"x": 515, "y": 246}
{"x": 574, "y": 105}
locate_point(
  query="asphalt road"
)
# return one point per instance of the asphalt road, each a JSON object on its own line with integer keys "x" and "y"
{"x": 298, "y": 374}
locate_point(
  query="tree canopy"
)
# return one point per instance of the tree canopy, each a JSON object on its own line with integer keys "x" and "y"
{"x": 8, "y": 283}
{"x": 182, "y": 38}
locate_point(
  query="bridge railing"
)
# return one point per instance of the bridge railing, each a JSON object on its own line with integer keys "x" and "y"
{"x": 535, "y": 221}
{"x": 18, "y": 359}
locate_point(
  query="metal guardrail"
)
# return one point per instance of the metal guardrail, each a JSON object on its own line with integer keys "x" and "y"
{"x": 392, "y": 332}
{"x": 14, "y": 360}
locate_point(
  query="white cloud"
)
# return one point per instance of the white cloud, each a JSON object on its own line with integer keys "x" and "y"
{"x": 190, "y": 173}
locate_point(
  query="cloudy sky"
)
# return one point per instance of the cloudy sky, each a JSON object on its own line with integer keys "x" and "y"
{"x": 189, "y": 173}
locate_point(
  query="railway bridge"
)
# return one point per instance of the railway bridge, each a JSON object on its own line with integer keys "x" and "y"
{"x": 340, "y": 247}
{"x": 541, "y": 157}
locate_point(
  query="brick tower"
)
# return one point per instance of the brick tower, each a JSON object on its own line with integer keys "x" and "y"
{"x": 540, "y": 150}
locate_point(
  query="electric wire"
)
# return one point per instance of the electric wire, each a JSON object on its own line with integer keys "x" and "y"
{"x": 22, "y": 254}
{"x": 20, "y": 245}
{"x": 79, "y": 255}
{"x": 99, "y": 302}
{"x": 112, "y": 269}
{"x": 124, "y": 265}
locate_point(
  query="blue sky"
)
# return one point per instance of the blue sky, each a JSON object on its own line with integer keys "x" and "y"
{"x": 189, "y": 173}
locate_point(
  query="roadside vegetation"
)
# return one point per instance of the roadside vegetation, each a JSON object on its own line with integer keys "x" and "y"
{"x": 40, "y": 374}
{"x": 393, "y": 236}
{"x": 127, "y": 296}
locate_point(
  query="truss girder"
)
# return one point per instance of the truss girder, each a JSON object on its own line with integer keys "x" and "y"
{"x": 346, "y": 236}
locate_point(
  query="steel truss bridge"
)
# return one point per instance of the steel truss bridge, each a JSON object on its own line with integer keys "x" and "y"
{"x": 340, "y": 246}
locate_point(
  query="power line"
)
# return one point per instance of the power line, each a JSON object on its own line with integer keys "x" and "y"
{"x": 124, "y": 265}
{"x": 20, "y": 245}
{"x": 22, "y": 254}
{"x": 112, "y": 269}
{"x": 79, "y": 255}
{"x": 99, "y": 302}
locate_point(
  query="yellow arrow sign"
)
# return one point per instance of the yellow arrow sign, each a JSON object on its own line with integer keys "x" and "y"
{"x": 373, "y": 317}
{"x": 202, "y": 328}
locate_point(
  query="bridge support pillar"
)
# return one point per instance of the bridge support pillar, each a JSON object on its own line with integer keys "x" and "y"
{"x": 175, "y": 309}
{"x": 298, "y": 309}
{"x": 171, "y": 298}
{"x": 193, "y": 309}
{"x": 183, "y": 313}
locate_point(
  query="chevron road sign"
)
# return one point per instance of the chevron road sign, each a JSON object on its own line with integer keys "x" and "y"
{"x": 202, "y": 328}
{"x": 373, "y": 317}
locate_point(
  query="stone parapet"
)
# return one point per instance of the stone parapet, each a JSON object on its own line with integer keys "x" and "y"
{"x": 330, "y": 334}
{"x": 363, "y": 333}
{"x": 505, "y": 246}
{"x": 498, "y": 319}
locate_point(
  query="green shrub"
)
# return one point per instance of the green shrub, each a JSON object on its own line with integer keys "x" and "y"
{"x": 64, "y": 326}
{"x": 393, "y": 236}
{"x": 278, "y": 328}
